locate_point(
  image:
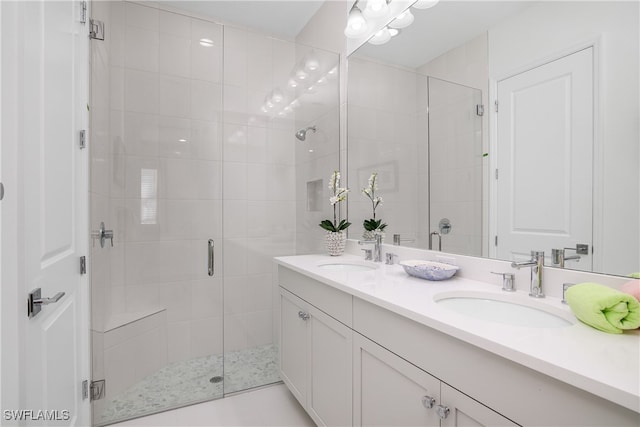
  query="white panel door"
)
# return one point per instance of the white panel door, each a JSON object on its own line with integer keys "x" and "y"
{"x": 293, "y": 345}
{"x": 329, "y": 382}
{"x": 52, "y": 110}
{"x": 545, "y": 157}
{"x": 389, "y": 391}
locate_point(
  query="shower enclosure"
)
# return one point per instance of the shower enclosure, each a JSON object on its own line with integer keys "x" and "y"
{"x": 193, "y": 170}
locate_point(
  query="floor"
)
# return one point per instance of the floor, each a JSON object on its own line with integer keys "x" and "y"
{"x": 269, "y": 406}
{"x": 190, "y": 381}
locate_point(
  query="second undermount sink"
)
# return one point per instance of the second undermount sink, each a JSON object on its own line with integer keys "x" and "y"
{"x": 347, "y": 266}
{"x": 508, "y": 309}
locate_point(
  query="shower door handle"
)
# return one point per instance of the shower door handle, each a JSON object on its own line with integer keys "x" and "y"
{"x": 211, "y": 253}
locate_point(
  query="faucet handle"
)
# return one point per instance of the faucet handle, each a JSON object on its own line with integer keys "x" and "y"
{"x": 368, "y": 254}
{"x": 389, "y": 258}
{"x": 565, "y": 286}
{"x": 507, "y": 281}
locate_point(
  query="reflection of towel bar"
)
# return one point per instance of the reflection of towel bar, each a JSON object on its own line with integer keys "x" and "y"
{"x": 439, "y": 240}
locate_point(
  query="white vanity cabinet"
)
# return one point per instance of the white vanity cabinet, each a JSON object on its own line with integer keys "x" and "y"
{"x": 350, "y": 361}
{"x": 315, "y": 359}
{"x": 389, "y": 391}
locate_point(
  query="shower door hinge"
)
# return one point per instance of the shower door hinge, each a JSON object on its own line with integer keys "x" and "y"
{"x": 83, "y": 5}
{"x": 496, "y": 173}
{"x": 83, "y": 265}
{"x": 83, "y": 139}
{"x": 480, "y": 110}
{"x": 96, "y": 29}
{"x": 85, "y": 389}
{"x": 496, "y": 241}
{"x": 96, "y": 390}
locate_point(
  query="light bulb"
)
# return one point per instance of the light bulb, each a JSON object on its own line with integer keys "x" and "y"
{"x": 301, "y": 75}
{"x": 356, "y": 24}
{"x": 206, "y": 42}
{"x": 393, "y": 32}
{"x": 425, "y": 4}
{"x": 376, "y": 8}
{"x": 403, "y": 20}
{"x": 381, "y": 37}
{"x": 311, "y": 64}
{"x": 293, "y": 83}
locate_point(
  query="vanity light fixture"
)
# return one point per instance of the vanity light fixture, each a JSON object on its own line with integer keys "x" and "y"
{"x": 403, "y": 20}
{"x": 356, "y": 24}
{"x": 425, "y": 4}
{"x": 206, "y": 42}
{"x": 376, "y": 8}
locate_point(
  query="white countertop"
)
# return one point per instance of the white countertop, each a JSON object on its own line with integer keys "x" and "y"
{"x": 606, "y": 365}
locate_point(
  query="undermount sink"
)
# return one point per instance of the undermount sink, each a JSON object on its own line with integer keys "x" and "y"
{"x": 508, "y": 309}
{"x": 347, "y": 266}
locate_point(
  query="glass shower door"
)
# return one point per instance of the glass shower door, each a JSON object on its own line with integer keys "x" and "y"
{"x": 156, "y": 181}
{"x": 455, "y": 167}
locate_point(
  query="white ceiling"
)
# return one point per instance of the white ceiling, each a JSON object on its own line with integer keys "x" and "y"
{"x": 285, "y": 18}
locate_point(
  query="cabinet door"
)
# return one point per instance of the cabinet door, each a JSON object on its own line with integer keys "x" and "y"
{"x": 389, "y": 391}
{"x": 293, "y": 344}
{"x": 464, "y": 411}
{"x": 330, "y": 370}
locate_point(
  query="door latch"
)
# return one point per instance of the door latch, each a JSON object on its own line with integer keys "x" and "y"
{"x": 35, "y": 301}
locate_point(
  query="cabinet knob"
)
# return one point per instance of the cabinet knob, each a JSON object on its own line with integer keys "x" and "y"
{"x": 442, "y": 411}
{"x": 428, "y": 402}
{"x": 303, "y": 315}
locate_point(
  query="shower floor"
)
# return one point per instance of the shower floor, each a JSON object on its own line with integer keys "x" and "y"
{"x": 182, "y": 383}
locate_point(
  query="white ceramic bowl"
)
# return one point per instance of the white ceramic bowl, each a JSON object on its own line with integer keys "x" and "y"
{"x": 429, "y": 270}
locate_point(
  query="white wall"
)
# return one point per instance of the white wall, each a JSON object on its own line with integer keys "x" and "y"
{"x": 323, "y": 109}
{"x": 558, "y": 27}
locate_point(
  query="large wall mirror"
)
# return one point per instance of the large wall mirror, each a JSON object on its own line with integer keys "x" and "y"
{"x": 497, "y": 128}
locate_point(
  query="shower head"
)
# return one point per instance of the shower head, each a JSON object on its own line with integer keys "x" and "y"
{"x": 302, "y": 133}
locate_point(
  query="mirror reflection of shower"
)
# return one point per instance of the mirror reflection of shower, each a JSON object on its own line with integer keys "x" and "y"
{"x": 302, "y": 133}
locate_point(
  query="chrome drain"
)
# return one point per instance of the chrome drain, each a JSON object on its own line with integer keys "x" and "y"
{"x": 216, "y": 379}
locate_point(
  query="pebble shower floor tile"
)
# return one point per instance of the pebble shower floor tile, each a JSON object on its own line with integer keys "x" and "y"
{"x": 182, "y": 383}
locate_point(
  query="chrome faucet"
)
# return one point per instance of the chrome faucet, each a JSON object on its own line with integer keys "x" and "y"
{"x": 558, "y": 257}
{"x": 377, "y": 246}
{"x": 536, "y": 263}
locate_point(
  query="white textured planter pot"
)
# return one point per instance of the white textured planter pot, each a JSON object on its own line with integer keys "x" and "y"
{"x": 336, "y": 242}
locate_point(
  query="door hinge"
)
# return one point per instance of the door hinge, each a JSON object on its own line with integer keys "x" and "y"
{"x": 83, "y": 265}
{"x": 83, "y": 5}
{"x": 83, "y": 139}
{"x": 85, "y": 389}
{"x": 96, "y": 29}
{"x": 495, "y": 242}
{"x": 96, "y": 390}
{"x": 480, "y": 110}
{"x": 496, "y": 173}
{"x": 496, "y": 105}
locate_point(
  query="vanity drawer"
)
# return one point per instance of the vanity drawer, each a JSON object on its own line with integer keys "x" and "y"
{"x": 335, "y": 303}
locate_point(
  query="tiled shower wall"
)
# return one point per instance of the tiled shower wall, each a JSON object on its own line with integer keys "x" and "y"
{"x": 183, "y": 150}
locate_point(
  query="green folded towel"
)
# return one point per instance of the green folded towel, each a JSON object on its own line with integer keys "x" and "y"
{"x": 603, "y": 308}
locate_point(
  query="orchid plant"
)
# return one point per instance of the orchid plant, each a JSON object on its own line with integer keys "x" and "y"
{"x": 339, "y": 194}
{"x": 373, "y": 224}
